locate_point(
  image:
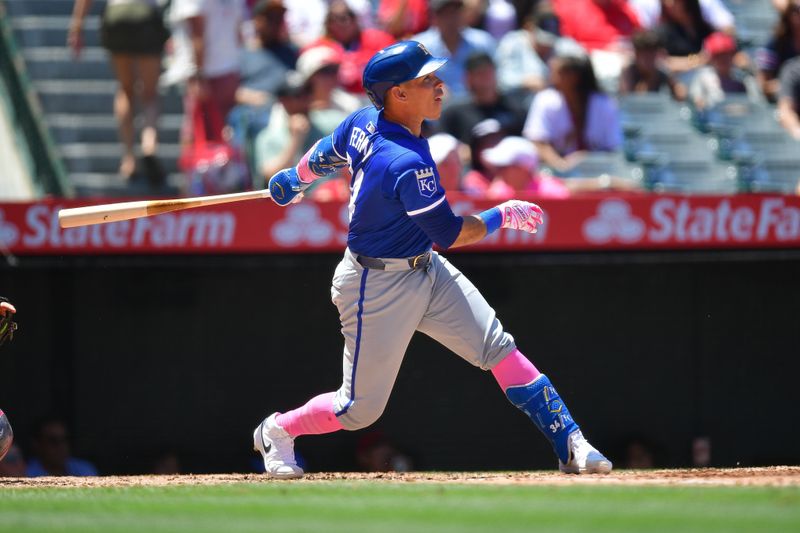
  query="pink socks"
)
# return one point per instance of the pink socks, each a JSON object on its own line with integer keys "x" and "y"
{"x": 515, "y": 369}
{"x": 317, "y": 415}
{"x": 314, "y": 418}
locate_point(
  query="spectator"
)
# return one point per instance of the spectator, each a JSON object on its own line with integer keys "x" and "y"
{"x": 645, "y": 74}
{"x": 486, "y": 134}
{"x": 375, "y": 453}
{"x": 483, "y": 101}
{"x": 13, "y": 464}
{"x": 319, "y": 68}
{"x": 305, "y": 19}
{"x": 206, "y": 40}
{"x": 789, "y": 98}
{"x": 572, "y": 117}
{"x": 639, "y": 453}
{"x": 403, "y": 18}
{"x": 719, "y": 78}
{"x": 264, "y": 65}
{"x": 515, "y": 167}
{"x": 782, "y": 46}
{"x": 500, "y": 18}
{"x": 51, "y": 452}
{"x": 683, "y": 30}
{"x": 354, "y": 44}
{"x": 522, "y": 55}
{"x": 134, "y": 34}
{"x": 714, "y": 12}
{"x": 523, "y": 7}
{"x": 598, "y": 24}
{"x": 444, "y": 151}
{"x": 294, "y": 126}
{"x": 448, "y": 37}
{"x": 604, "y": 28}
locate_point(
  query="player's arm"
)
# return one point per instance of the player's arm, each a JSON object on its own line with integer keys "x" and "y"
{"x": 513, "y": 214}
{"x": 323, "y": 159}
{"x": 450, "y": 231}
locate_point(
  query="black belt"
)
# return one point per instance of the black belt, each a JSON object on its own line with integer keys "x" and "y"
{"x": 418, "y": 262}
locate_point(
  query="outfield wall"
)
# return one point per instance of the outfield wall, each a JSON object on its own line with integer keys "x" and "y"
{"x": 187, "y": 353}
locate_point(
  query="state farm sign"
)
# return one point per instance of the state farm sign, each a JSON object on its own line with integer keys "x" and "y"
{"x": 187, "y": 229}
{"x": 680, "y": 220}
{"x": 768, "y": 219}
{"x": 584, "y": 223}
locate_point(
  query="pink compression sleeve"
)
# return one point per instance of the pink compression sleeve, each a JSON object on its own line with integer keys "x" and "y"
{"x": 313, "y": 418}
{"x": 514, "y": 369}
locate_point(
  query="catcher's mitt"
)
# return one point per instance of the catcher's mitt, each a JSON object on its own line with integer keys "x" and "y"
{"x": 7, "y": 325}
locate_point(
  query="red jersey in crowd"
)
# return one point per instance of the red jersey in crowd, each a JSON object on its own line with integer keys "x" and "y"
{"x": 596, "y": 24}
{"x": 356, "y": 57}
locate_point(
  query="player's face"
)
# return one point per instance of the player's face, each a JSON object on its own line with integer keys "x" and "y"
{"x": 425, "y": 94}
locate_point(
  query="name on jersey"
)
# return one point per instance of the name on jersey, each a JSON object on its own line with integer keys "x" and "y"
{"x": 359, "y": 140}
{"x": 426, "y": 181}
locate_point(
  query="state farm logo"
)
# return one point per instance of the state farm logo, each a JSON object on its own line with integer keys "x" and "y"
{"x": 614, "y": 221}
{"x": 9, "y": 234}
{"x": 190, "y": 229}
{"x": 303, "y": 224}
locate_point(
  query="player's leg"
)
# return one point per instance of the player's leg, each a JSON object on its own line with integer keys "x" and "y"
{"x": 379, "y": 312}
{"x": 461, "y": 319}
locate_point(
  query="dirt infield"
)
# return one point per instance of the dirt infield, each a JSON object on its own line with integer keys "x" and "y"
{"x": 776, "y": 476}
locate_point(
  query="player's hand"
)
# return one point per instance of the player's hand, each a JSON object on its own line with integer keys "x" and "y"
{"x": 285, "y": 187}
{"x": 524, "y": 216}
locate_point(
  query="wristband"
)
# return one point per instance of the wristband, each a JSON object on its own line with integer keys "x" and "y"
{"x": 493, "y": 219}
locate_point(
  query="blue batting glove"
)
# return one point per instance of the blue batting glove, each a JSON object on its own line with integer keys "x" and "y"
{"x": 285, "y": 185}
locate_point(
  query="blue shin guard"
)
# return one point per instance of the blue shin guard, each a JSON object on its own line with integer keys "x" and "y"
{"x": 540, "y": 401}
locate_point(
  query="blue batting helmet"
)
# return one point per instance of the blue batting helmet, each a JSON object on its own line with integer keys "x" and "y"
{"x": 395, "y": 64}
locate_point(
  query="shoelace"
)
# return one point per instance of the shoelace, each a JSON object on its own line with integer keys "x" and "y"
{"x": 580, "y": 447}
{"x": 284, "y": 448}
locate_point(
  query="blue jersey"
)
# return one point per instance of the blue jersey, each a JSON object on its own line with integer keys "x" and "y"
{"x": 397, "y": 204}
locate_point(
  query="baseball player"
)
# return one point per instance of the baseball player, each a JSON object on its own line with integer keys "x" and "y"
{"x": 390, "y": 283}
{"x": 7, "y": 328}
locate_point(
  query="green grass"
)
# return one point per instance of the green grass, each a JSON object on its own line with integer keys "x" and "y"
{"x": 329, "y": 507}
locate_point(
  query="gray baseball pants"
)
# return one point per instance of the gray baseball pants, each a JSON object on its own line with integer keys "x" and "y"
{"x": 381, "y": 309}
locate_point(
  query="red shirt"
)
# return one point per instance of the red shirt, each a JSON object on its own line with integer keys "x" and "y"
{"x": 595, "y": 26}
{"x": 355, "y": 59}
{"x": 415, "y": 19}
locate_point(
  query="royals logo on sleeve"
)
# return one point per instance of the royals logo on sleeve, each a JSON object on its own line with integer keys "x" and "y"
{"x": 426, "y": 181}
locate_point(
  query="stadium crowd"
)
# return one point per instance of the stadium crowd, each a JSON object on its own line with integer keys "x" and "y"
{"x": 542, "y": 94}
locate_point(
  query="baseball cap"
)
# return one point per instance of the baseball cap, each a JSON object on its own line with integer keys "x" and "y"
{"x": 441, "y": 145}
{"x": 486, "y": 127}
{"x": 316, "y": 58}
{"x": 292, "y": 85}
{"x": 719, "y": 43}
{"x": 512, "y": 151}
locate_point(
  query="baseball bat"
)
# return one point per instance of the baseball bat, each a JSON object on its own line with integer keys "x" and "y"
{"x": 100, "y": 214}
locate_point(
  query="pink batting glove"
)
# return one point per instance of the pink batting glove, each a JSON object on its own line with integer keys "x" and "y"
{"x": 524, "y": 216}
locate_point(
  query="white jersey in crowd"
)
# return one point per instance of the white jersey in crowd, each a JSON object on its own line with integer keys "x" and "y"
{"x": 223, "y": 19}
{"x": 549, "y": 120}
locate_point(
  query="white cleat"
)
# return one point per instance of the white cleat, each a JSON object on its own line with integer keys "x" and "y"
{"x": 277, "y": 448}
{"x": 583, "y": 457}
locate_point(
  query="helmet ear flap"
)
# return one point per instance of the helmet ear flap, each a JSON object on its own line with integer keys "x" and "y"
{"x": 377, "y": 94}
